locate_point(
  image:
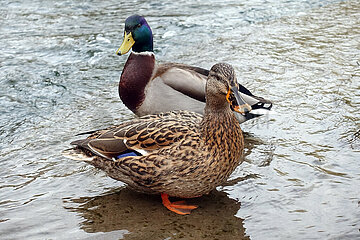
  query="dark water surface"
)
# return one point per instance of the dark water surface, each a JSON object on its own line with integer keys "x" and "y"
{"x": 59, "y": 76}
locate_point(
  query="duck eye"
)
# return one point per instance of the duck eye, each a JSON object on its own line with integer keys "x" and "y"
{"x": 139, "y": 25}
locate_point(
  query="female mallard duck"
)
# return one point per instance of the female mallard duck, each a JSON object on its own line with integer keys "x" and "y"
{"x": 149, "y": 88}
{"x": 179, "y": 153}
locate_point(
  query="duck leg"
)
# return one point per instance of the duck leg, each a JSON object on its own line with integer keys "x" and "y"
{"x": 179, "y": 207}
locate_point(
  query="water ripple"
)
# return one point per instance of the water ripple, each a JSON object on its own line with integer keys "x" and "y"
{"x": 59, "y": 76}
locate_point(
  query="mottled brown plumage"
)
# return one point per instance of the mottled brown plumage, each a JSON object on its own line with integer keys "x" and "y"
{"x": 181, "y": 153}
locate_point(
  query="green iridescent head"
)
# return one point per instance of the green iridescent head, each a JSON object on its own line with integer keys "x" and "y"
{"x": 137, "y": 35}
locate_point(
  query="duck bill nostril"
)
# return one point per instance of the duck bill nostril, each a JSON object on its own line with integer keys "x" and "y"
{"x": 126, "y": 45}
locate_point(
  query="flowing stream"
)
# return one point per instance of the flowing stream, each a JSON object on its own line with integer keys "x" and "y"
{"x": 59, "y": 76}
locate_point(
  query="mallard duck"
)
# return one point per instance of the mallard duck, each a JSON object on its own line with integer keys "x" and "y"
{"x": 146, "y": 87}
{"x": 178, "y": 153}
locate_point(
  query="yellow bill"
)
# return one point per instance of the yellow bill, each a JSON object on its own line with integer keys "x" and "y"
{"x": 126, "y": 45}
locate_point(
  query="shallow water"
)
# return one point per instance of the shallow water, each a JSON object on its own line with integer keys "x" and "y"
{"x": 59, "y": 76}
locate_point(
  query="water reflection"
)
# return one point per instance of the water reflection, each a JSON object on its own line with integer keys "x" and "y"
{"x": 139, "y": 216}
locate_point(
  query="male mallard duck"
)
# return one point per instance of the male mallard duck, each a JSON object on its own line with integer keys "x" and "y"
{"x": 149, "y": 88}
{"x": 179, "y": 153}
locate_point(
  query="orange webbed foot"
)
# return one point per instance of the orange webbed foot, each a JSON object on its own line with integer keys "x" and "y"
{"x": 179, "y": 207}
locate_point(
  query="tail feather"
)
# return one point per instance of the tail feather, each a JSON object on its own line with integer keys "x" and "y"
{"x": 86, "y": 133}
{"x": 77, "y": 155}
{"x": 257, "y": 103}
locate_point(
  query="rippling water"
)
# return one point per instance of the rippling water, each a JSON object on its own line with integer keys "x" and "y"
{"x": 59, "y": 76}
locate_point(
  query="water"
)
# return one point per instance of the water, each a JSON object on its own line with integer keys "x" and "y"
{"x": 59, "y": 76}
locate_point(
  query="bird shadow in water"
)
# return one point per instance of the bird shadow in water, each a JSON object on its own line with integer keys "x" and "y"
{"x": 144, "y": 217}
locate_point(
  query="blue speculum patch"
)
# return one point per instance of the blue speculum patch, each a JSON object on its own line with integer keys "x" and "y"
{"x": 128, "y": 154}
